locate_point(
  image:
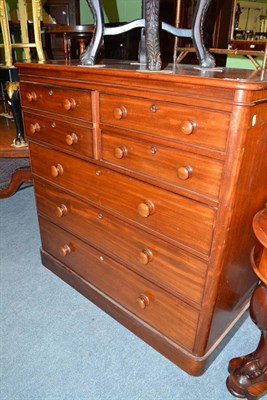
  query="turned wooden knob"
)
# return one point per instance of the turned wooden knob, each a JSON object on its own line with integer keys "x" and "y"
{"x": 31, "y": 96}
{"x": 145, "y": 209}
{"x": 185, "y": 173}
{"x": 35, "y": 127}
{"x": 187, "y": 127}
{"x": 56, "y": 170}
{"x": 71, "y": 139}
{"x": 120, "y": 112}
{"x": 65, "y": 250}
{"x": 61, "y": 210}
{"x": 145, "y": 256}
{"x": 69, "y": 104}
{"x": 120, "y": 152}
{"x": 142, "y": 301}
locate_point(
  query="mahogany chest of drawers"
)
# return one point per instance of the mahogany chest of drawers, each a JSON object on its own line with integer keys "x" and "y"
{"x": 146, "y": 185}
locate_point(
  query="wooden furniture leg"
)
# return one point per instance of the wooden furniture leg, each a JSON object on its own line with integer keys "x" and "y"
{"x": 20, "y": 173}
{"x": 5, "y": 33}
{"x": 24, "y": 27}
{"x": 206, "y": 60}
{"x": 37, "y": 12}
{"x": 14, "y": 100}
{"x": 88, "y": 57}
{"x": 9, "y": 73}
{"x": 15, "y": 169}
{"x": 248, "y": 374}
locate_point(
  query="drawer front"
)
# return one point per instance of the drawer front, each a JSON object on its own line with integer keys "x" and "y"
{"x": 69, "y": 136}
{"x": 151, "y": 257}
{"x": 178, "y": 168}
{"x": 168, "y": 120}
{"x": 177, "y": 217}
{"x": 153, "y": 305}
{"x": 73, "y": 103}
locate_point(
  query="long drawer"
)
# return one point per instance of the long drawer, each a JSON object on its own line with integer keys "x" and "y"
{"x": 73, "y": 103}
{"x": 186, "y": 124}
{"x": 153, "y": 305}
{"x": 156, "y": 260}
{"x": 177, "y": 168}
{"x": 55, "y": 132}
{"x": 175, "y": 217}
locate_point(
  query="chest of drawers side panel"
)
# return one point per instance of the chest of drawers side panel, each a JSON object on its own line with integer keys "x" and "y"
{"x": 230, "y": 278}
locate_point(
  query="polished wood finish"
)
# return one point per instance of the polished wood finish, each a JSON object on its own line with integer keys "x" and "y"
{"x": 19, "y": 176}
{"x": 7, "y": 135}
{"x": 150, "y": 216}
{"x": 71, "y": 103}
{"x": 177, "y": 168}
{"x": 176, "y": 270}
{"x": 249, "y": 45}
{"x": 123, "y": 285}
{"x": 65, "y": 12}
{"x": 70, "y": 34}
{"x": 74, "y": 137}
{"x": 14, "y": 161}
{"x": 170, "y": 120}
{"x": 248, "y": 374}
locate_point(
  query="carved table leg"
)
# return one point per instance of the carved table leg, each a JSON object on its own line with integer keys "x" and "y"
{"x": 12, "y": 89}
{"x": 152, "y": 26}
{"x": 152, "y": 35}
{"x": 206, "y": 60}
{"x": 90, "y": 53}
{"x": 248, "y": 374}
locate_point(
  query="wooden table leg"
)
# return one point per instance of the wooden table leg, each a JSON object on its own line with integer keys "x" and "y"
{"x": 90, "y": 53}
{"x": 204, "y": 56}
{"x": 12, "y": 89}
{"x": 248, "y": 374}
{"x": 152, "y": 25}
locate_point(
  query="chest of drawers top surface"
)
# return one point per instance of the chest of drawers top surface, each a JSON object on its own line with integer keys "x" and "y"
{"x": 141, "y": 184}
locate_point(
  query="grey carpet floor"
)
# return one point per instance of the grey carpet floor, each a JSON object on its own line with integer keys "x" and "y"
{"x": 56, "y": 345}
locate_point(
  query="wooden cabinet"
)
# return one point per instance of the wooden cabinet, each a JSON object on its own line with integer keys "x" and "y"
{"x": 65, "y": 12}
{"x": 146, "y": 185}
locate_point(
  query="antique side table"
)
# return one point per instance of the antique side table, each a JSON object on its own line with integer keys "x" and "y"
{"x": 248, "y": 374}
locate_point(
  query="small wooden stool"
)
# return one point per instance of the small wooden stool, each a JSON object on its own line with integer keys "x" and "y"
{"x": 248, "y": 374}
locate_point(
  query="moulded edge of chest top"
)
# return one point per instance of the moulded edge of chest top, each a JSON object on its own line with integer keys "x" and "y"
{"x": 222, "y": 81}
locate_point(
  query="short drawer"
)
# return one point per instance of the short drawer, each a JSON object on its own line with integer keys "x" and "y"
{"x": 156, "y": 260}
{"x": 173, "y": 216}
{"x": 161, "y": 310}
{"x": 171, "y": 121}
{"x": 69, "y": 136}
{"x": 73, "y": 103}
{"x": 177, "y": 168}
